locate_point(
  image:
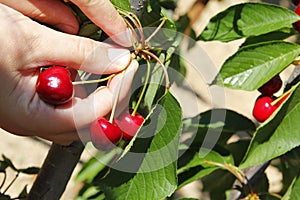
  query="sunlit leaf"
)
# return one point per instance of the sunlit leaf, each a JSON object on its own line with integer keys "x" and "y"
{"x": 254, "y": 65}
{"x": 247, "y": 19}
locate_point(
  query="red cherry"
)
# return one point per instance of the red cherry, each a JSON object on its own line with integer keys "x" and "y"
{"x": 271, "y": 87}
{"x": 296, "y": 25}
{"x": 130, "y": 124}
{"x": 54, "y": 85}
{"x": 104, "y": 134}
{"x": 263, "y": 108}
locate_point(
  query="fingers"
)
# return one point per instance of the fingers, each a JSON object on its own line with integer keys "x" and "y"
{"x": 50, "y": 47}
{"x": 81, "y": 112}
{"x": 51, "y": 12}
{"x": 103, "y": 14}
{"x": 60, "y": 16}
{"x": 102, "y": 100}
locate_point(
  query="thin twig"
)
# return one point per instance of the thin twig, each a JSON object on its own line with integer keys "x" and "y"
{"x": 156, "y": 30}
{"x": 111, "y": 118}
{"x": 163, "y": 67}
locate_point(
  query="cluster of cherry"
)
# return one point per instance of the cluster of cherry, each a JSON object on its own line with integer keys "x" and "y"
{"x": 55, "y": 87}
{"x": 266, "y": 104}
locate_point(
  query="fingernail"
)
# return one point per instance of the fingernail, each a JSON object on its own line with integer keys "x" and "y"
{"x": 124, "y": 38}
{"x": 119, "y": 57}
{"x": 67, "y": 28}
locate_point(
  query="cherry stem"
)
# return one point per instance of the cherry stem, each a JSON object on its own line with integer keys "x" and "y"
{"x": 139, "y": 27}
{"x": 164, "y": 19}
{"x": 133, "y": 34}
{"x": 232, "y": 169}
{"x": 113, "y": 110}
{"x": 93, "y": 81}
{"x": 284, "y": 94}
{"x": 143, "y": 90}
{"x": 133, "y": 18}
{"x": 163, "y": 67}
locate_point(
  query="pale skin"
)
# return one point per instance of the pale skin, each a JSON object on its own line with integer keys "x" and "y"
{"x": 27, "y": 45}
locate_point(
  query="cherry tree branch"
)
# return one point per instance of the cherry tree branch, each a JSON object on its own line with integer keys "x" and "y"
{"x": 56, "y": 171}
{"x": 138, "y": 7}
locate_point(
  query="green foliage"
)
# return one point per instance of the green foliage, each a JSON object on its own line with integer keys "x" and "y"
{"x": 151, "y": 156}
{"x": 276, "y": 136}
{"x": 123, "y": 5}
{"x": 246, "y": 68}
{"x": 294, "y": 190}
{"x": 170, "y": 152}
{"x": 248, "y": 19}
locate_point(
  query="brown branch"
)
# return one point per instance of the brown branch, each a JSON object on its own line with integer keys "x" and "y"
{"x": 194, "y": 13}
{"x": 56, "y": 171}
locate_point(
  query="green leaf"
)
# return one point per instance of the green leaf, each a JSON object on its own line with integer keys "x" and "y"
{"x": 193, "y": 175}
{"x": 152, "y": 161}
{"x": 92, "y": 167}
{"x": 204, "y": 155}
{"x": 254, "y": 65}
{"x": 278, "y": 135}
{"x": 90, "y": 192}
{"x": 248, "y": 19}
{"x": 238, "y": 149}
{"x": 152, "y": 14}
{"x": 220, "y": 125}
{"x": 121, "y": 4}
{"x": 156, "y": 80}
{"x": 187, "y": 174}
{"x": 218, "y": 183}
{"x": 293, "y": 192}
{"x": 225, "y": 119}
{"x": 276, "y": 35}
{"x": 30, "y": 170}
{"x": 289, "y": 167}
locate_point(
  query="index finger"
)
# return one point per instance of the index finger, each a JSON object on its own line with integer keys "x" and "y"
{"x": 104, "y": 15}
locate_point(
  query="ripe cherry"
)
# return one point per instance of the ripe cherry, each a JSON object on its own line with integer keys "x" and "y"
{"x": 263, "y": 108}
{"x": 271, "y": 87}
{"x": 130, "y": 124}
{"x": 54, "y": 85}
{"x": 296, "y": 25}
{"x": 104, "y": 134}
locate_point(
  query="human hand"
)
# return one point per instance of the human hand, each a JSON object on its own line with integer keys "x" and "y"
{"x": 27, "y": 45}
{"x": 57, "y": 14}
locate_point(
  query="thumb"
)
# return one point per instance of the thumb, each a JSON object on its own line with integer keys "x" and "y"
{"x": 53, "y": 47}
